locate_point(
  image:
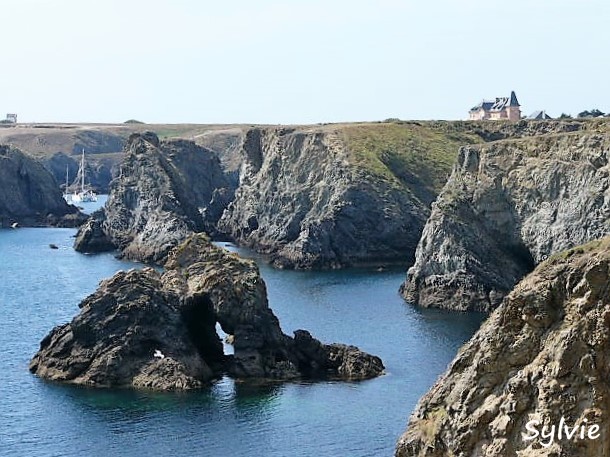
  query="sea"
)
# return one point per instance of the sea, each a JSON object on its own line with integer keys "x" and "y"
{"x": 41, "y": 287}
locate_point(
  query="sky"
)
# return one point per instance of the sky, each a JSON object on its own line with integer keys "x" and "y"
{"x": 293, "y": 61}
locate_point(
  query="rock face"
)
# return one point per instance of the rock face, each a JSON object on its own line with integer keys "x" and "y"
{"x": 99, "y": 169}
{"x": 166, "y": 191}
{"x": 542, "y": 355}
{"x": 112, "y": 341}
{"x": 60, "y": 146}
{"x": 29, "y": 195}
{"x": 507, "y": 206}
{"x": 114, "y": 338}
{"x": 304, "y": 201}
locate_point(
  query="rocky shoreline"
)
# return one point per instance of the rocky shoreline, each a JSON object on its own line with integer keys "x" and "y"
{"x": 309, "y": 198}
{"x": 507, "y": 206}
{"x": 30, "y": 196}
{"x": 541, "y": 356}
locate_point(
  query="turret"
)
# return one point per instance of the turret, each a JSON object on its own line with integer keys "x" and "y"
{"x": 513, "y": 109}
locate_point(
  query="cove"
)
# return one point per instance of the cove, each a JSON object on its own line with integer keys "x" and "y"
{"x": 40, "y": 288}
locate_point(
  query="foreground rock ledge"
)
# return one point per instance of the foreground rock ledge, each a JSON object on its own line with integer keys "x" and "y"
{"x": 134, "y": 315}
{"x": 542, "y": 355}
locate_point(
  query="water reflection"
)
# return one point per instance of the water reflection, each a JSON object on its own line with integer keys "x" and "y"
{"x": 224, "y": 394}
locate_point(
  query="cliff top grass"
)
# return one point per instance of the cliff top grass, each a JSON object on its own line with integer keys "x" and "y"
{"x": 602, "y": 244}
{"x": 407, "y": 153}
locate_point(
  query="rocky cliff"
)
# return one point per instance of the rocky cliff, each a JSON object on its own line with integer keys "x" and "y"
{"x": 60, "y": 146}
{"x": 100, "y": 169}
{"x": 507, "y": 206}
{"x": 541, "y": 356}
{"x": 334, "y": 196}
{"x": 145, "y": 329}
{"x": 29, "y": 195}
{"x": 165, "y": 192}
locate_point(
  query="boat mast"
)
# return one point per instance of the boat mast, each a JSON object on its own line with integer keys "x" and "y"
{"x": 82, "y": 172}
{"x": 67, "y": 179}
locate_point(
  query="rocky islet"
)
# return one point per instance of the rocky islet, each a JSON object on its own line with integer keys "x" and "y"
{"x": 167, "y": 190}
{"x": 152, "y": 330}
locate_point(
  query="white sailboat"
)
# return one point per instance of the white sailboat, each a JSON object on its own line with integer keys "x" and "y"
{"x": 85, "y": 195}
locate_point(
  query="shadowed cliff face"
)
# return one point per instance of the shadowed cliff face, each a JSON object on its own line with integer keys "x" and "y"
{"x": 99, "y": 170}
{"x": 60, "y": 146}
{"x": 165, "y": 192}
{"x": 542, "y": 355}
{"x": 29, "y": 195}
{"x": 507, "y": 206}
{"x": 114, "y": 338}
{"x": 303, "y": 202}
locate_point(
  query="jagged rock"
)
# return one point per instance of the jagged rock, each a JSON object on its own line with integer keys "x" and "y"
{"x": 165, "y": 192}
{"x": 113, "y": 340}
{"x": 29, "y": 195}
{"x": 344, "y": 361}
{"x": 60, "y": 146}
{"x": 91, "y": 237}
{"x": 542, "y": 355}
{"x": 239, "y": 300}
{"x": 507, "y": 206}
{"x": 305, "y": 202}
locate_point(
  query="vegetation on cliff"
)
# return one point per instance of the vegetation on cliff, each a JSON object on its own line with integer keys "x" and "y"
{"x": 507, "y": 206}
{"x": 409, "y": 155}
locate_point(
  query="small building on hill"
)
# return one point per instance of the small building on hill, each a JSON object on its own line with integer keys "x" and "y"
{"x": 11, "y": 118}
{"x": 502, "y": 108}
{"x": 539, "y": 116}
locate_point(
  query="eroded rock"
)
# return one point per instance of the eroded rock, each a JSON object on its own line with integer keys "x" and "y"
{"x": 304, "y": 202}
{"x": 166, "y": 191}
{"x": 542, "y": 355}
{"x": 113, "y": 340}
{"x": 29, "y": 195}
{"x": 508, "y": 206}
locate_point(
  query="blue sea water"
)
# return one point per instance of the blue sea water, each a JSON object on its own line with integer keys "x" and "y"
{"x": 41, "y": 287}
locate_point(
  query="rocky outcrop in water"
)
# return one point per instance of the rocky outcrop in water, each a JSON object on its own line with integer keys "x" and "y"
{"x": 29, "y": 196}
{"x": 165, "y": 192}
{"x": 137, "y": 314}
{"x": 541, "y": 356}
{"x": 304, "y": 202}
{"x": 507, "y": 206}
{"x": 112, "y": 341}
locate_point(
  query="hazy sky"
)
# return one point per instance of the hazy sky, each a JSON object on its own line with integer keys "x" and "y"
{"x": 289, "y": 61}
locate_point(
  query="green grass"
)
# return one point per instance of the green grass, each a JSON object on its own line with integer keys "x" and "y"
{"x": 430, "y": 426}
{"x": 178, "y": 131}
{"x": 600, "y": 244}
{"x": 406, "y": 153}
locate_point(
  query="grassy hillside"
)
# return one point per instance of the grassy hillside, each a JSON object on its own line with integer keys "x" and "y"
{"x": 418, "y": 155}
